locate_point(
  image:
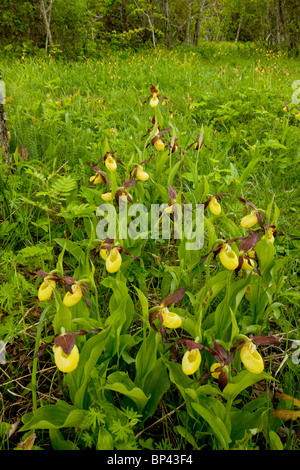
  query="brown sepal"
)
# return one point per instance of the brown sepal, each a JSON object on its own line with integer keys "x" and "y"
{"x": 173, "y": 298}
{"x": 261, "y": 340}
{"x": 66, "y": 342}
{"x": 222, "y": 380}
{"x": 171, "y": 192}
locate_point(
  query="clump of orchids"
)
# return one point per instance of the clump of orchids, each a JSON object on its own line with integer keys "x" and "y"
{"x": 229, "y": 258}
{"x": 110, "y": 162}
{"x": 76, "y": 289}
{"x": 98, "y": 177}
{"x": 66, "y": 353}
{"x": 246, "y": 258}
{"x": 111, "y": 253}
{"x": 247, "y": 348}
{"x": 157, "y": 141}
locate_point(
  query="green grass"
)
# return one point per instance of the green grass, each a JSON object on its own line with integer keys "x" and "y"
{"x": 63, "y": 115}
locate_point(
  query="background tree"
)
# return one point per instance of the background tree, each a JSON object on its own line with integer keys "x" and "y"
{"x": 81, "y": 27}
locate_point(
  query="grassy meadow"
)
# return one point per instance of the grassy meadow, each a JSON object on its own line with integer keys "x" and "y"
{"x": 229, "y": 130}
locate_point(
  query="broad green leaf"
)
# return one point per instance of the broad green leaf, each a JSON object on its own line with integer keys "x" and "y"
{"x": 89, "y": 355}
{"x": 56, "y": 416}
{"x": 173, "y": 172}
{"x": 146, "y": 358}
{"x": 59, "y": 443}
{"x": 156, "y": 385}
{"x": 144, "y": 303}
{"x": 216, "y": 424}
{"x": 242, "y": 381}
{"x": 121, "y": 383}
{"x": 275, "y": 442}
{"x": 72, "y": 247}
{"x": 187, "y": 436}
{"x": 105, "y": 440}
{"x": 63, "y": 316}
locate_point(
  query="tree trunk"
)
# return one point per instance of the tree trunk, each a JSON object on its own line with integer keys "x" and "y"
{"x": 188, "y": 24}
{"x": 151, "y": 25}
{"x": 238, "y": 30}
{"x": 3, "y": 128}
{"x": 46, "y": 14}
{"x": 278, "y": 8}
{"x": 198, "y": 24}
{"x": 167, "y": 31}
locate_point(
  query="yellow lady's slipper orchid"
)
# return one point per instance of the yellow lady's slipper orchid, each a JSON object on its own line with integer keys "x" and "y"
{"x": 103, "y": 253}
{"x": 191, "y": 361}
{"x": 113, "y": 260}
{"x": 73, "y": 298}
{"x": 110, "y": 163}
{"x": 141, "y": 174}
{"x": 169, "y": 209}
{"x": 249, "y": 220}
{"x": 214, "y": 206}
{"x": 45, "y": 289}
{"x": 124, "y": 196}
{"x": 96, "y": 179}
{"x": 297, "y": 115}
{"x": 246, "y": 264}
{"x": 170, "y": 319}
{"x": 106, "y": 196}
{"x": 228, "y": 257}
{"x": 215, "y": 366}
{"x": 66, "y": 362}
{"x": 251, "y": 358}
{"x": 251, "y": 253}
{"x": 159, "y": 145}
{"x": 270, "y": 236}
{"x": 154, "y": 100}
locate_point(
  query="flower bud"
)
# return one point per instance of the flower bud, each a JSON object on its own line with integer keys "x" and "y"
{"x": 251, "y": 359}
{"x": 66, "y": 362}
{"x": 191, "y": 361}
{"x": 228, "y": 258}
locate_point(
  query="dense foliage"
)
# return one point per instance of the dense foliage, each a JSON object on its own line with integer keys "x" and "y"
{"x": 139, "y": 343}
{"x": 82, "y": 27}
